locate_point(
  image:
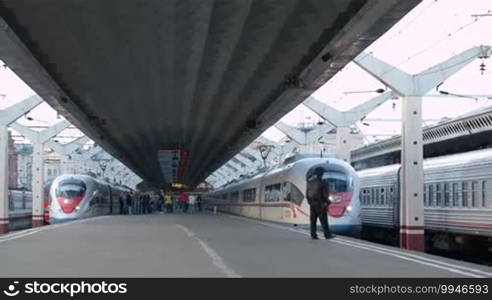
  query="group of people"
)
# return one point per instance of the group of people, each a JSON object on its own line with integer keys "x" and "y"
{"x": 184, "y": 201}
{"x": 138, "y": 203}
{"x": 132, "y": 203}
{"x": 144, "y": 203}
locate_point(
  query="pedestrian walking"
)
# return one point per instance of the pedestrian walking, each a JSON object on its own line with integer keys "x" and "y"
{"x": 317, "y": 195}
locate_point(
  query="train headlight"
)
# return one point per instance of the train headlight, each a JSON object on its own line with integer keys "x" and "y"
{"x": 349, "y": 208}
{"x": 77, "y": 208}
{"x": 335, "y": 199}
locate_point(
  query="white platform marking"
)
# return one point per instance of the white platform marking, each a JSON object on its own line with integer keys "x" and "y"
{"x": 216, "y": 259}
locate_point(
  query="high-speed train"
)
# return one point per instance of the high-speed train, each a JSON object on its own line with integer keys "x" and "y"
{"x": 279, "y": 194}
{"x": 457, "y": 200}
{"x": 75, "y": 196}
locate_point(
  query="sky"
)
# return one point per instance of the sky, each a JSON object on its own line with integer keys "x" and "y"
{"x": 432, "y": 32}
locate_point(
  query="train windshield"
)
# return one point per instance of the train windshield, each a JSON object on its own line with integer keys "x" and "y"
{"x": 337, "y": 182}
{"x": 71, "y": 188}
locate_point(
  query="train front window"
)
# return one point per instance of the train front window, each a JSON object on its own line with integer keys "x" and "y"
{"x": 71, "y": 188}
{"x": 336, "y": 182}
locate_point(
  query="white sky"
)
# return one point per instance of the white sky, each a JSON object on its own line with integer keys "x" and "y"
{"x": 432, "y": 32}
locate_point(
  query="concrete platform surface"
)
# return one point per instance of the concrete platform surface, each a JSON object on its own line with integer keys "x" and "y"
{"x": 207, "y": 245}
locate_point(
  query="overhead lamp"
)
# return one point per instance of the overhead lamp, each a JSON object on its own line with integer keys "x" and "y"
{"x": 28, "y": 117}
{"x": 379, "y": 91}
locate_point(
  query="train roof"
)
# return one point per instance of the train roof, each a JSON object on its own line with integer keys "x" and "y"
{"x": 285, "y": 165}
{"x": 90, "y": 177}
{"x": 477, "y": 157}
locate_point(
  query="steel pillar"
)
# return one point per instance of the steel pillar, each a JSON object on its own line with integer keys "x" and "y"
{"x": 38, "y": 139}
{"x": 412, "y": 176}
{"x": 7, "y": 117}
{"x": 4, "y": 179}
{"x": 343, "y": 144}
{"x": 37, "y": 186}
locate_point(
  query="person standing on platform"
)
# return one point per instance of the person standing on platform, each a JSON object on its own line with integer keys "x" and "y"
{"x": 184, "y": 201}
{"x": 199, "y": 202}
{"x": 122, "y": 204}
{"x": 129, "y": 203}
{"x": 168, "y": 202}
{"x": 160, "y": 201}
{"x": 150, "y": 205}
{"x": 192, "y": 201}
{"x": 317, "y": 195}
{"x": 145, "y": 202}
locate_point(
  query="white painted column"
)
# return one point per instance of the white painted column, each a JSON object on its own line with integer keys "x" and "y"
{"x": 412, "y": 176}
{"x": 4, "y": 179}
{"x": 37, "y": 186}
{"x": 64, "y": 164}
{"x": 342, "y": 146}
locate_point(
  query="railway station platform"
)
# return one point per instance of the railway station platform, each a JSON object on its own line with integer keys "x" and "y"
{"x": 207, "y": 245}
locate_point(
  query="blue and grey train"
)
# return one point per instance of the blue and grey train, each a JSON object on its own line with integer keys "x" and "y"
{"x": 457, "y": 201}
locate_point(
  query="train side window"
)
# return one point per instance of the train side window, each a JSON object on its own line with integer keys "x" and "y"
{"x": 431, "y": 194}
{"x": 391, "y": 198}
{"x": 446, "y": 194}
{"x": 426, "y": 194}
{"x": 292, "y": 194}
{"x": 249, "y": 195}
{"x": 464, "y": 193}
{"x": 438, "y": 195}
{"x": 296, "y": 195}
{"x": 475, "y": 194}
{"x": 383, "y": 196}
{"x": 455, "y": 195}
{"x": 272, "y": 193}
{"x": 484, "y": 193}
{"x": 487, "y": 200}
{"x": 234, "y": 196}
{"x": 367, "y": 198}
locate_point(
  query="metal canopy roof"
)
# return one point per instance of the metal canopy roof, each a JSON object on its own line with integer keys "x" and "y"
{"x": 206, "y": 76}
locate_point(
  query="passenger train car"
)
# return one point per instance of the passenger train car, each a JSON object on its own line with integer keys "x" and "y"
{"x": 279, "y": 194}
{"x": 81, "y": 196}
{"x": 457, "y": 200}
{"x": 22, "y": 200}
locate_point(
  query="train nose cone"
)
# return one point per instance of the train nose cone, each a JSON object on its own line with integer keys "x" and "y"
{"x": 68, "y": 205}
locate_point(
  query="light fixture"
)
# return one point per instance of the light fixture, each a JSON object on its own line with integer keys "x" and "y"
{"x": 379, "y": 91}
{"x": 28, "y": 117}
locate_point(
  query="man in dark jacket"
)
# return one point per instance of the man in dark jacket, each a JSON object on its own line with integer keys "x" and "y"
{"x": 129, "y": 203}
{"x": 317, "y": 196}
